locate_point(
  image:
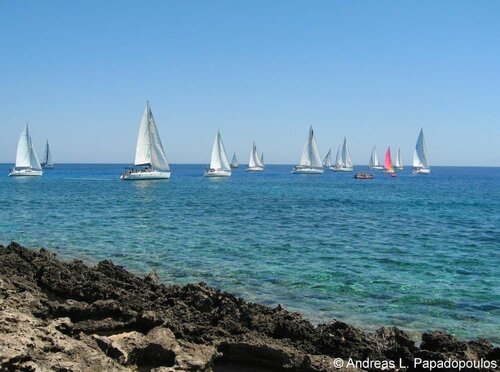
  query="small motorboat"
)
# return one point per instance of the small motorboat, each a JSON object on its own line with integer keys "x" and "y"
{"x": 363, "y": 176}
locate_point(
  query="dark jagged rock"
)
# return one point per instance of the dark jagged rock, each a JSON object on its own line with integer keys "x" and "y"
{"x": 68, "y": 316}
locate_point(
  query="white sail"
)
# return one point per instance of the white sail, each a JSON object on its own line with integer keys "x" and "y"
{"x": 255, "y": 160}
{"x": 262, "y": 158}
{"x": 35, "y": 163}
{"x": 420, "y": 155}
{"x": 47, "y": 156}
{"x": 310, "y": 153}
{"x": 327, "y": 161}
{"x": 149, "y": 150}
{"x": 219, "y": 160}
{"x": 234, "y": 161}
{"x": 26, "y": 155}
{"x": 346, "y": 156}
{"x": 398, "y": 164}
{"x": 338, "y": 158}
{"x": 374, "y": 158}
{"x": 23, "y": 149}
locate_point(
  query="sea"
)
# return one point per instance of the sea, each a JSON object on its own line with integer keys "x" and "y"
{"x": 421, "y": 252}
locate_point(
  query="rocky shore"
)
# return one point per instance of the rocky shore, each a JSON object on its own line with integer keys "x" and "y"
{"x": 67, "y": 316}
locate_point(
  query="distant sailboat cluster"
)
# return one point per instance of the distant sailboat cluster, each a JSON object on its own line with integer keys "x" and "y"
{"x": 151, "y": 161}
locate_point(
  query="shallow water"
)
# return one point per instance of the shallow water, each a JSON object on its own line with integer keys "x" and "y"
{"x": 418, "y": 252}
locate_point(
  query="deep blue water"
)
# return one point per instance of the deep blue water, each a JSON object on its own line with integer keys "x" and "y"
{"x": 418, "y": 252}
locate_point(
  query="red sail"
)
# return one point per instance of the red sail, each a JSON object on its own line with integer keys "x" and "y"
{"x": 388, "y": 162}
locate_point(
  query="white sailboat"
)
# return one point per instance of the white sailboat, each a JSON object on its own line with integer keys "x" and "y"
{"x": 327, "y": 161}
{"x": 310, "y": 161}
{"x": 398, "y": 164}
{"x": 234, "y": 162}
{"x": 374, "y": 163}
{"x": 219, "y": 165}
{"x": 343, "y": 162}
{"x": 47, "y": 158}
{"x": 149, "y": 152}
{"x": 255, "y": 164}
{"x": 420, "y": 158}
{"x": 27, "y": 163}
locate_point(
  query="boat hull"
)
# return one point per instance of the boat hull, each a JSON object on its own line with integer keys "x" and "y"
{"x": 217, "y": 173}
{"x": 234, "y": 166}
{"x": 25, "y": 173}
{"x": 49, "y": 166}
{"x": 307, "y": 171}
{"x": 137, "y": 176}
{"x": 255, "y": 169}
{"x": 342, "y": 169}
{"x": 377, "y": 167}
{"x": 421, "y": 170}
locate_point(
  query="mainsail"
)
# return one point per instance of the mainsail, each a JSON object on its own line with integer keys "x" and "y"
{"x": 388, "y": 167}
{"x": 327, "y": 161}
{"x": 219, "y": 160}
{"x": 149, "y": 150}
{"x": 398, "y": 164}
{"x": 262, "y": 158}
{"x": 374, "y": 159}
{"x": 310, "y": 153}
{"x": 346, "y": 156}
{"x": 26, "y": 156}
{"x": 420, "y": 158}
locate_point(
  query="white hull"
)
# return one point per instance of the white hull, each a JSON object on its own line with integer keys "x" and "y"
{"x": 398, "y": 168}
{"x": 217, "y": 173}
{"x": 49, "y": 166}
{"x": 152, "y": 175}
{"x": 342, "y": 169}
{"x": 255, "y": 169}
{"x": 300, "y": 170}
{"x": 421, "y": 170}
{"x": 378, "y": 167}
{"x": 25, "y": 172}
{"x": 233, "y": 166}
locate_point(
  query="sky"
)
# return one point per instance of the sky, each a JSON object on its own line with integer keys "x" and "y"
{"x": 80, "y": 73}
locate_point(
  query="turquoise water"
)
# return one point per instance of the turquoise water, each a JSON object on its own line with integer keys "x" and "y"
{"x": 418, "y": 252}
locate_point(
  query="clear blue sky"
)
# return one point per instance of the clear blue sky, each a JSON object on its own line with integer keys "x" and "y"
{"x": 80, "y": 73}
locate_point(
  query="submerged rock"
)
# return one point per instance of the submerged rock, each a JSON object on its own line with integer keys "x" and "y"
{"x": 58, "y": 315}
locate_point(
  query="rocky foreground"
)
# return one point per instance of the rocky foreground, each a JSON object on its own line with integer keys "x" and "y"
{"x": 66, "y": 316}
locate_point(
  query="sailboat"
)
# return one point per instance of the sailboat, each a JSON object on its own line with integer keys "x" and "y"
{"x": 27, "y": 163}
{"x": 343, "y": 162}
{"x": 388, "y": 167}
{"x": 420, "y": 161}
{"x": 234, "y": 162}
{"x": 149, "y": 152}
{"x": 47, "y": 158}
{"x": 374, "y": 163}
{"x": 327, "y": 161}
{"x": 255, "y": 163}
{"x": 219, "y": 165}
{"x": 399, "y": 163}
{"x": 310, "y": 161}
